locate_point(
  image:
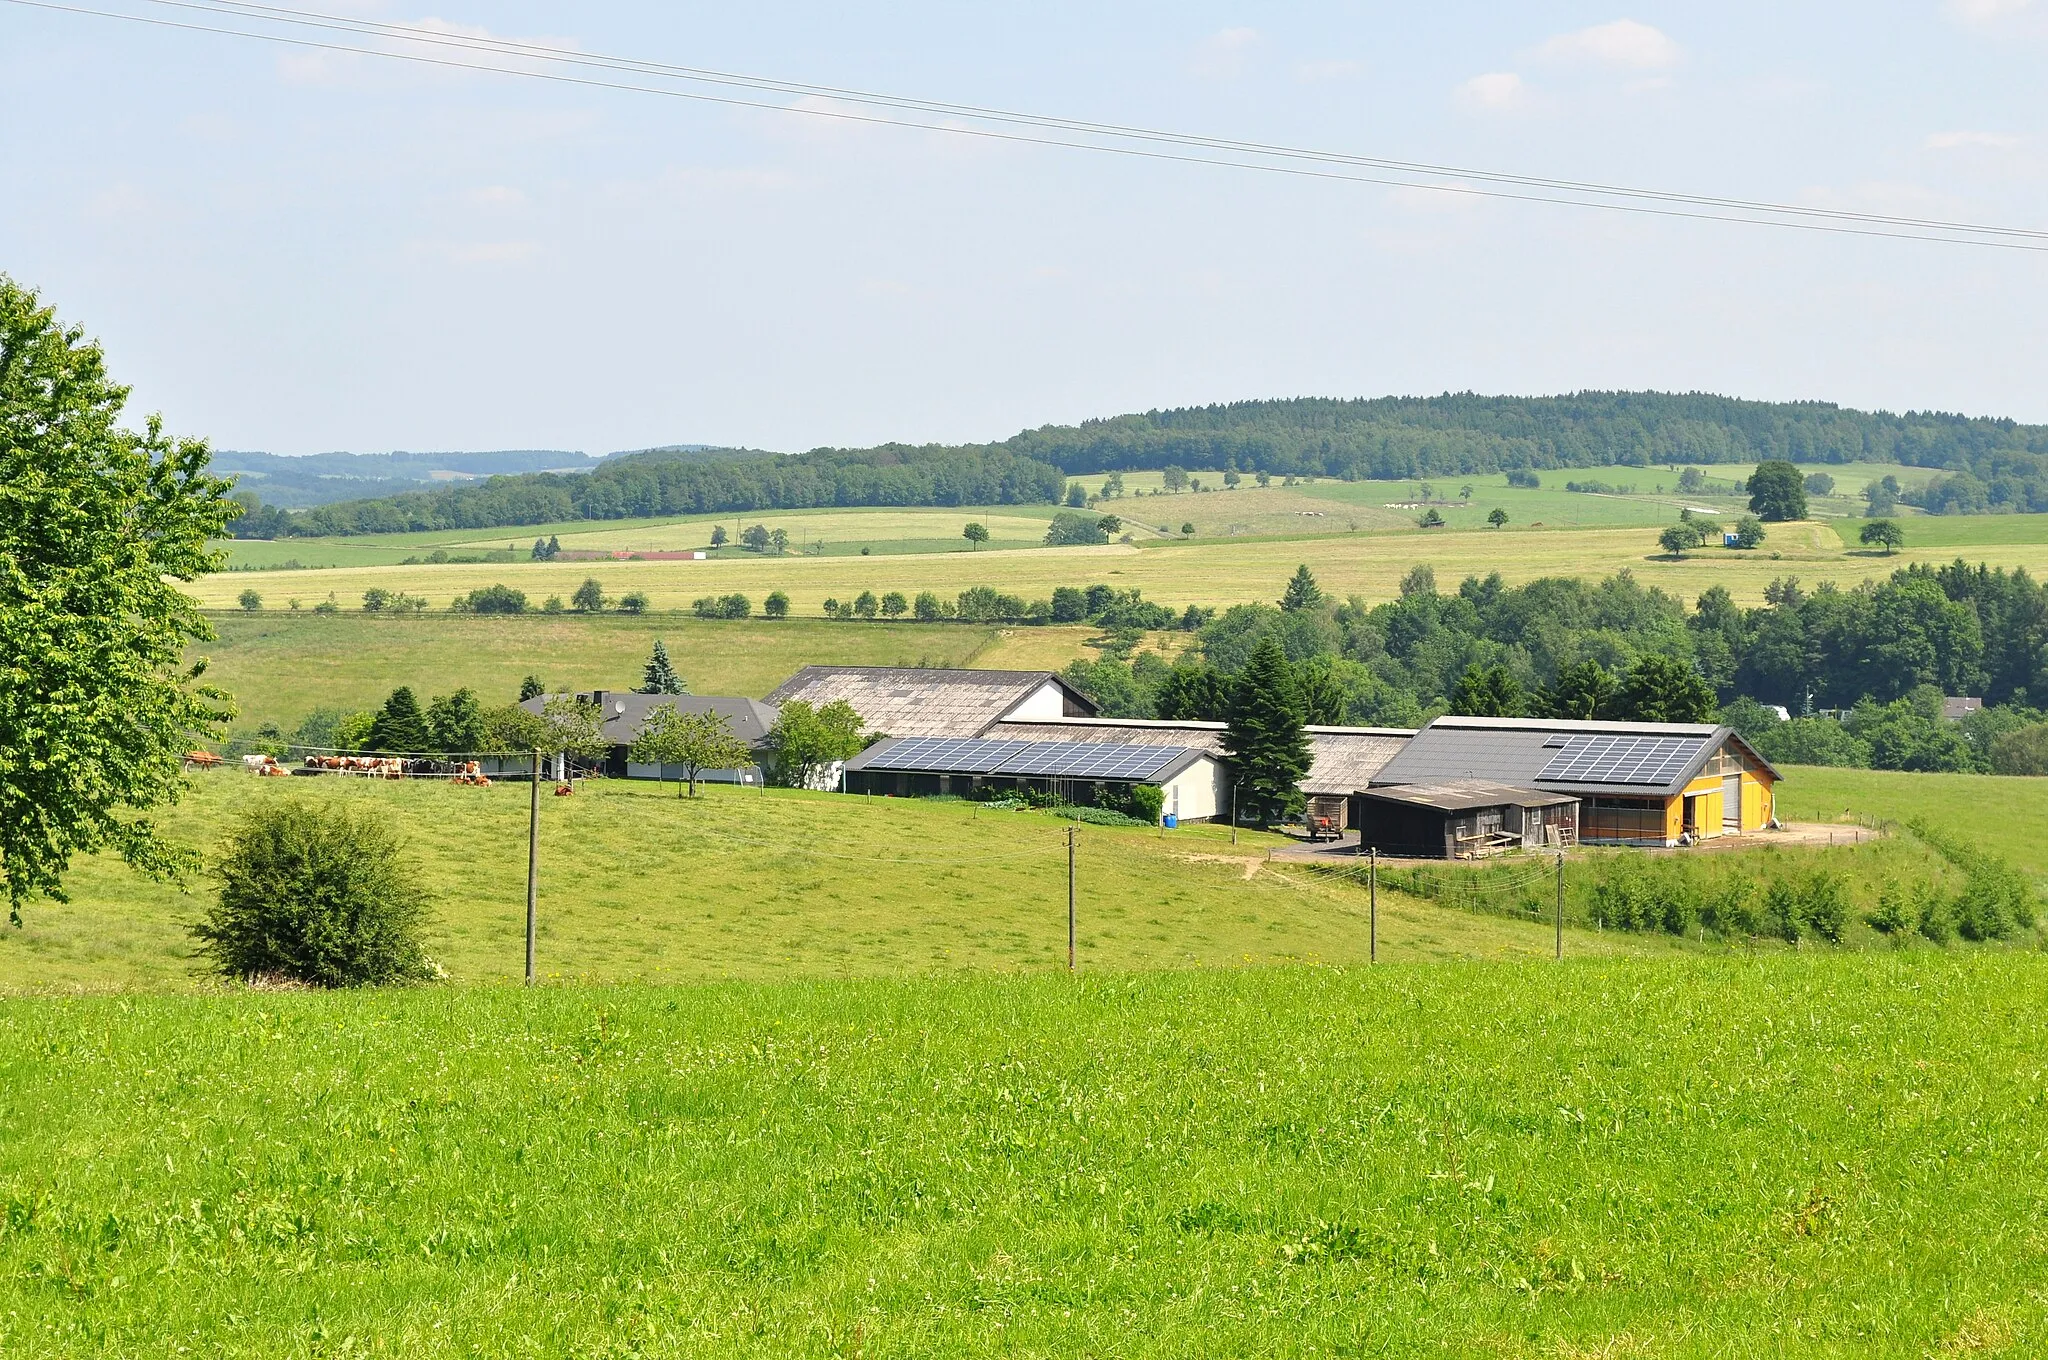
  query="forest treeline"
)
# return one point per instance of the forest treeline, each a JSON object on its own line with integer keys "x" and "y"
{"x": 1981, "y": 463}
{"x": 1880, "y": 657}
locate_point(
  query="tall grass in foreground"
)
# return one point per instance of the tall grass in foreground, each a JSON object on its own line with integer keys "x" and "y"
{"x": 1796, "y": 1155}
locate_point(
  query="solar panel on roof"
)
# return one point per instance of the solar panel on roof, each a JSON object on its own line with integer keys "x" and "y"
{"x": 1620, "y": 760}
{"x": 1043, "y": 759}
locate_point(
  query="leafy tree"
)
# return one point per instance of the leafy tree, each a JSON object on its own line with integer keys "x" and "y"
{"x": 400, "y": 729}
{"x": 321, "y": 895}
{"x": 807, "y": 742}
{"x": 1269, "y": 752}
{"x": 589, "y": 597}
{"x": 1665, "y": 689}
{"x": 1497, "y": 517}
{"x": 540, "y": 550}
{"x": 1068, "y": 605}
{"x": 1524, "y": 478}
{"x": 1431, "y": 519}
{"x": 1420, "y": 580}
{"x": 249, "y": 600}
{"x": 894, "y": 605}
{"x": 97, "y": 701}
{"x": 493, "y": 599}
{"x": 659, "y": 676}
{"x": 1489, "y": 692}
{"x": 1777, "y": 492}
{"x": 508, "y": 728}
{"x": 718, "y": 535}
{"x": 1077, "y": 495}
{"x": 695, "y": 741}
{"x": 1691, "y": 481}
{"x": 1819, "y": 484}
{"x": 1231, "y": 479}
{"x": 553, "y": 605}
{"x": 376, "y": 600}
{"x": 755, "y": 538}
{"x": 1302, "y": 591}
{"x": 778, "y": 541}
{"x": 1584, "y": 690}
{"x": 2021, "y": 752}
{"x": 1071, "y": 530}
{"x": 455, "y": 723}
{"x": 1187, "y": 529}
{"x": 1882, "y": 495}
{"x": 976, "y": 534}
{"x": 633, "y": 602}
{"x": 352, "y": 733}
{"x": 865, "y": 605}
{"x": 1263, "y": 477}
{"x": 1193, "y": 693}
{"x": 1882, "y": 533}
{"x": 1113, "y": 485}
{"x": 1678, "y": 540}
{"x": 776, "y": 606}
{"x": 532, "y": 687}
{"x": 573, "y": 728}
{"x": 1749, "y": 532}
{"x": 1173, "y": 478}
{"x": 1811, "y": 741}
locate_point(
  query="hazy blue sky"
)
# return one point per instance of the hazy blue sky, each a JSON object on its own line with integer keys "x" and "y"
{"x": 296, "y": 251}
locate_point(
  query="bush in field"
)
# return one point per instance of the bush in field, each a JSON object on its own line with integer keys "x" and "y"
{"x": 1733, "y": 910}
{"x": 1823, "y": 907}
{"x": 316, "y": 895}
{"x": 1894, "y": 915}
{"x": 1781, "y": 910}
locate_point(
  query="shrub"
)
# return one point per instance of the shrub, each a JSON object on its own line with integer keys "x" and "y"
{"x": 1100, "y": 816}
{"x": 1894, "y": 915}
{"x": 250, "y": 600}
{"x": 1781, "y": 910}
{"x": 1147, "y": 802}
{"x": 316, "y": 895}
{"x": 776, "y": 606}
{"x": 498, "y": 599}
{"x": 1822, "y": 906}
{"x": 633, "y": 602}
{"x": 1522, "y": 477}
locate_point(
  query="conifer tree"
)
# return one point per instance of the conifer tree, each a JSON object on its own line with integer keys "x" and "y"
{"x": 1488, "y": 692}
{"x": 660, "y": 675}
{"x": 1268, "y": 749}
{"x": 1302, "y": 591}
{"x": 532, "y": 687}
{"x": 400, "y": 727}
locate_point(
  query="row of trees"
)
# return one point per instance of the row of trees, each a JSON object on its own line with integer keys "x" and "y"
{"x": 1572, "y": 648}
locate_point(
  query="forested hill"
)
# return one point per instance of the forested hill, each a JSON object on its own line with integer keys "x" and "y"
{"x": 1985, "y": 463}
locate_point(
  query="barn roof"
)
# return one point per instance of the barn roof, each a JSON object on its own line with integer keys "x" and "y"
{"x": 1346, "y": 758}
{"x": 1559, "y": 755}
{"x": 907, "y": 701}
{"x": 1114, "y": 761}
{"x": 1464, "y": 796}
{"x": 625, "y": 712}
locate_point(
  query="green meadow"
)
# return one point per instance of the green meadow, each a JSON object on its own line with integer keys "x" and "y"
{"x": 1796, "y": 1155}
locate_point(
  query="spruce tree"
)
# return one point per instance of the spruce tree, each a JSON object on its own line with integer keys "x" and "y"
{"x": 532, "y": 687}
{"x": 1269, "y": 752}
{"x": 1302, "y": 591}
{"x": 400, "y": 727}
{"x": 660, "y": 675}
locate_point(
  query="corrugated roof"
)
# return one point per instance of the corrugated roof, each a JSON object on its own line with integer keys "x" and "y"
{"x": 1113, "y": 761}
{"x": 1517, "y": 751}
{"x": 1460, "y": 797}
{"x": 906, "y": 701}
{"x": 1346, "y": 758}
{"x": 626, "y": 712}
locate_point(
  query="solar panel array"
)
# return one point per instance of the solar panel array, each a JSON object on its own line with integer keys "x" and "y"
{"x": 1620, "y": 760}
{"x": 1039, "y": 759}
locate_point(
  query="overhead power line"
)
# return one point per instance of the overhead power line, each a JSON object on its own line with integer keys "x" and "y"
{"x": 989, "y": 123}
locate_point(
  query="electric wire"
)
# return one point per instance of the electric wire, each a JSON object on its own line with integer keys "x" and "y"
{"x": 1802, "y": 218}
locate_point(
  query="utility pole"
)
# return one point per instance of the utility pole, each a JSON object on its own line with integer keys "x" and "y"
{"x": 1560, "y": 904}
{"x": 1070, "y": 899}
{"x": 532, "y": 862}
{"x": 1373, "y": 929}
{"x": 1233, "y": 814}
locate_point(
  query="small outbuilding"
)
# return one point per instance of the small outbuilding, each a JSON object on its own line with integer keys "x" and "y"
{"x": 1461, "y": 820}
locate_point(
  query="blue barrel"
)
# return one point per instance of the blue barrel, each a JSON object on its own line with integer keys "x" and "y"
{"x": 1171, "y": 821}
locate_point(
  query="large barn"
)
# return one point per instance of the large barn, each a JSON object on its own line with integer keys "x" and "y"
{"x": 1193, "y": 784}
{"x": 1636, "y": 783}
{"x": 908, "y": 701}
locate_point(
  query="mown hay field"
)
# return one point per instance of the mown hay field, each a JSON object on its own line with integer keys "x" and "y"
{"x": 1201, "y": 572}
{"x": 1825, "y": 1155}
{"x": 638, "y": 885}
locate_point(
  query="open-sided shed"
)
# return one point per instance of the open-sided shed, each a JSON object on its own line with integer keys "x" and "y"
{"x": 1461, "y": 820}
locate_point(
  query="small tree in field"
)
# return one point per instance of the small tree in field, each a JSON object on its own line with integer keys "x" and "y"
{"x": 589, "y": 597}
{"x": 776, "y": 606}
{"x": 695, "y": 741}
{"x": 252, "y": 602}
{"x": 808, "y": 741}
{"x": 659, "y": 675}
{"x": 1497, "y": 517}
{"x": 1882, "y": 533}
{"x": 976, "y": 534}
{"x": 316, "y": 895}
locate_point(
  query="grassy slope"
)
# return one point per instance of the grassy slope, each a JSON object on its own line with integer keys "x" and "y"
{"x": 1795, "y": 1156}
{"x": 638, "y": 885}
{"x": 279, "y": 666}
{"x": 1214, "y": 572}
{"x": 2004, "y": 814}
{"x": 1958, "y": 531}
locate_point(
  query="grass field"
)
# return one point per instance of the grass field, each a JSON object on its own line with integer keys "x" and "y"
{"x": 1958, "y": 531}
{"x": 1793, "y": 1156}
{"x": 281, "y": 666}
{"x": 1203, "y": 572}
{"x": 2004, "y": 814}
{"x": 639, "y": 885}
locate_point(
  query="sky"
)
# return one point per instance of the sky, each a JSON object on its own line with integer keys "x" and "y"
{"x": 296, "y": 251}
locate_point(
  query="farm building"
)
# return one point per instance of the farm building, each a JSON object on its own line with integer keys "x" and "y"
{"x": 1636, "y": 783}
{"x": 1193, "y": 784}
{"x": 1454, "y": 821}
{"x": 1346, "y": 758}
{"x": 625, "y": 712}
{"x": 905, "y": 701}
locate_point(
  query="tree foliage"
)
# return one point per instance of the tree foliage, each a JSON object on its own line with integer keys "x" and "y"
{"x": 694, "y": 741}
{"x": 807, "y": 742}
{"x": 97, "y": 523}
{"x": 1777, "y": 492}
{"x": 316, "y": 895}
{"x": 659, "y": 676}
